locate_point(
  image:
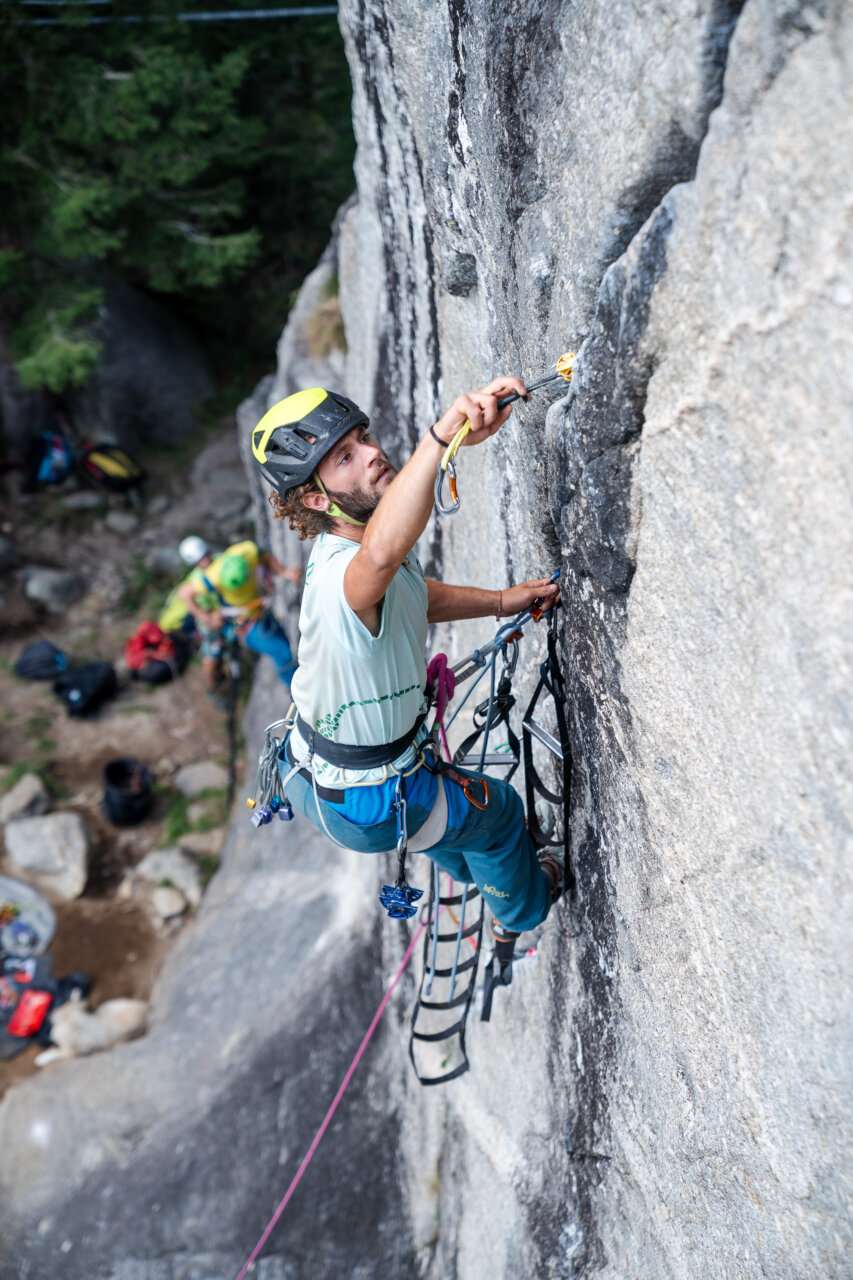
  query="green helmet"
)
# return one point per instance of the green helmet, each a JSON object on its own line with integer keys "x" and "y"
{"x": 234, "y": 573}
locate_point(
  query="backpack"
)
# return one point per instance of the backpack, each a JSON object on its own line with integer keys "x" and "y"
{"x": 110, "y": 468}
{"x": 85, "y": 688}
{"x": 153, "y": 656}
{"x": 40, "y": 660}
{"x": 49, "y": 460}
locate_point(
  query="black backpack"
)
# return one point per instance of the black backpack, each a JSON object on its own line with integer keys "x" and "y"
{"x": 85, "y": 688}
{"x": 110, "y": 468}
{"x": 40, "y": 660}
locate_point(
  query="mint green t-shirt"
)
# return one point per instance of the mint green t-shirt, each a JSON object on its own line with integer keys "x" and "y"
{"x": 352, "y": 686}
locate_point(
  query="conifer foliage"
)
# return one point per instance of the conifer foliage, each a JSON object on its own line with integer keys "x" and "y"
{"x": 195, "y": 160}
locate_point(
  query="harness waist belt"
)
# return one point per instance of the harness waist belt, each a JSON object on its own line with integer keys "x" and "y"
{"x": 346, "y": 756}
{"x": 333, "y": 795}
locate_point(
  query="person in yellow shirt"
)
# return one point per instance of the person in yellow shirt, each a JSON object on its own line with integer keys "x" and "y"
{"x": 227, "y": 599}
{"x": 175, "y": 616}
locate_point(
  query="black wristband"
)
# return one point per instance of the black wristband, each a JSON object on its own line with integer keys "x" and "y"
{"x": 444, "y": 443}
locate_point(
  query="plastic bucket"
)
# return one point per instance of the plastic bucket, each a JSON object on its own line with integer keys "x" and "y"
{"x": 127, "y": 792}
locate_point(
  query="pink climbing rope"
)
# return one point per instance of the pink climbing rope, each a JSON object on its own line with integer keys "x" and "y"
{"x": 309, "y": 1155}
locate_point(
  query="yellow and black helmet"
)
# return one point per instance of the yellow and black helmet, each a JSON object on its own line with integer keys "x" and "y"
{"x": 294, "y": 436}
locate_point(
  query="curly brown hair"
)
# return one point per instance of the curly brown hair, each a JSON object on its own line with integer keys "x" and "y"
{"x": 305, "y": 521}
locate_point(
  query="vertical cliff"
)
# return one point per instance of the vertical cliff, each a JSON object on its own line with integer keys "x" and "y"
{"x": 667, "y": 189}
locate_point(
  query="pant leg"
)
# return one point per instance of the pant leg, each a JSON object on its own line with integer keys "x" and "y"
{"x": 268, "y": 636}
{"x": 489, "y": 848}
{"x": 497, "y": 852}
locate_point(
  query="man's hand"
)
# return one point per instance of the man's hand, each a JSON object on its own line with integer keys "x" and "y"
{"x": 481, "y": 409}
{"x": 514, "y": 599}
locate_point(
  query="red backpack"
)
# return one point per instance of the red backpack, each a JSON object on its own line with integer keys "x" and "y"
{"x": 152, "y": 655}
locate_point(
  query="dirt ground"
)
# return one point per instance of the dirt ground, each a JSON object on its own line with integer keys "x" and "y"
{"x": 111, "y": 939}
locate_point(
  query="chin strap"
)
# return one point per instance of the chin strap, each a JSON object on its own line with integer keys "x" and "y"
{"x": 333, "y": 509}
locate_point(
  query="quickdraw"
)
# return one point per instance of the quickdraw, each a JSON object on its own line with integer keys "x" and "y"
{"x": 447, "y": 464}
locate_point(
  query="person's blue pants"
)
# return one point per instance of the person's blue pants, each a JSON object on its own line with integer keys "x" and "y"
{"x": 267, "y": 636}
{"x": 487, "y": 847}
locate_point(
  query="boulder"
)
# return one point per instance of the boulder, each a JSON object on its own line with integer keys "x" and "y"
{"x": 203, "y": 844}
{"x": 82, "y": 500}
{"x": 166, "y": 560}
{"x": 158, "y": 505}
{"x": 168, "y": 903}
{"x": 122, "y": 522}
{"x": 56, "y": 589}
{"x": 51, "y": 851}
{"x": 205, "y": 775}
{"x": 77, "y": 1031}
{"x": 174, "y": 866}
{"x": 26, "y": 799}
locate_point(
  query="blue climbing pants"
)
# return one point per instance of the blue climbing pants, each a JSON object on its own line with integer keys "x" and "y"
{"x": 267, "y": 636}
{"x": 488, "y": 847}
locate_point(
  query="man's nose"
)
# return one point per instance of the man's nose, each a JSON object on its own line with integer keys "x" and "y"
{"x": 371, "y": 449}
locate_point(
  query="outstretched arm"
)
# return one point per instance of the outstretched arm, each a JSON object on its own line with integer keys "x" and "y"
{"x": 402, "y": 515}
{"x": 452, "y": 604}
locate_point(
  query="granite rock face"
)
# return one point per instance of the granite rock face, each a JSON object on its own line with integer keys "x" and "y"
{"x": 666, "y": 190}
{"x": 663, "y": 1091}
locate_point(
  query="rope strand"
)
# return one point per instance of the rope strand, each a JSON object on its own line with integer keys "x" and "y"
{"x": 318, "y": 1136}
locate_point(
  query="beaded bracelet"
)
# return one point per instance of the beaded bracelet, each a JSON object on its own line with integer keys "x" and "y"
{"x": 500, "y": 606}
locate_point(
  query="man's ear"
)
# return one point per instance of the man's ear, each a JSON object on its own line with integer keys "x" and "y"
{"x": 315, "y": 501}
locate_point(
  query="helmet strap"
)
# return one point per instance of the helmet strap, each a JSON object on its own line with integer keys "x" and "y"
{"x": 333, "y": 509}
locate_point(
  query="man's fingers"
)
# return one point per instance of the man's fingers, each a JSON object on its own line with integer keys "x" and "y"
{"x": 504, "y": 386}
{"x": 470, "y": 408}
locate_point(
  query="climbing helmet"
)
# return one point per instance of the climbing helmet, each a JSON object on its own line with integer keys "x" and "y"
{"x": 193, "y": 549}
{"x": 294, "y": 436}
{"x": 234, "y": 572}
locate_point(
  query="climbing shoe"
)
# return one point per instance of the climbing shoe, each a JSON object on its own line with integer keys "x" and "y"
{"x": 502, "y": 934}
{"x": 546, "y": 816}
{"x": 553, "y": 864}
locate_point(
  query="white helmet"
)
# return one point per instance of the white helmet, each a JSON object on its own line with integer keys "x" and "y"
{"x": 193, "y": 549}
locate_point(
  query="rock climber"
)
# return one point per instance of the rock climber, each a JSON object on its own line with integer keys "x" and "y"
{"x": 227, "y": 599}
{"x": 175, "y": 616}
{"x": 360, "y": 686}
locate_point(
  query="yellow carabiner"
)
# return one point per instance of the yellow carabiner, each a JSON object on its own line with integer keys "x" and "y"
{"x": 447, "y": 467}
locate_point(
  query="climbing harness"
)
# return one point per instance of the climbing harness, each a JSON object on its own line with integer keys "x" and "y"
{"x": 447, "y": 464}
